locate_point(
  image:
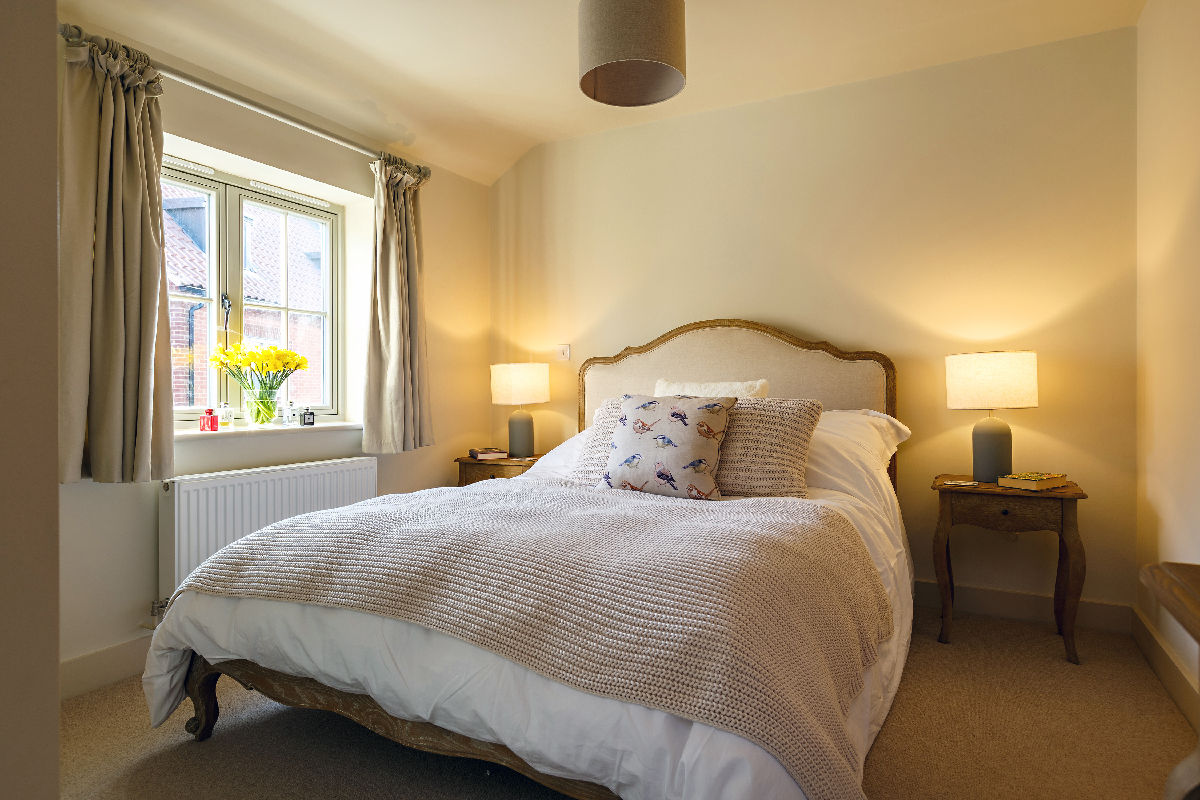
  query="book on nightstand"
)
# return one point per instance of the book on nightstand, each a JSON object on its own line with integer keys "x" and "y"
{"x": 1033, "y": 481}
{"x": 487, "y": 453}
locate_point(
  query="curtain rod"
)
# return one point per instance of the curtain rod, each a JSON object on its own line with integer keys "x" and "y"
{"x": 258, "y": 108}
{"x": 286, "y": 119}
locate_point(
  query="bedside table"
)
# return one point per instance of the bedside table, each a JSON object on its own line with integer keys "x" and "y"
{"x": 999, "y": 508}
{"x": 472, "y": 470}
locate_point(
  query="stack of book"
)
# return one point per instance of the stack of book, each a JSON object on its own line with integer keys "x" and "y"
{"x": 487, "y": 453}
{"x": 1033, "y": 481}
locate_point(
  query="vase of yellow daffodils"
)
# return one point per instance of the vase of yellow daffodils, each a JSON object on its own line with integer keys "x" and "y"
{"x": 260, "y": 372}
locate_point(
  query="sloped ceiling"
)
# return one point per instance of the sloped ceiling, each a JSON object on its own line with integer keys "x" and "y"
{"x": 471, "y": 85}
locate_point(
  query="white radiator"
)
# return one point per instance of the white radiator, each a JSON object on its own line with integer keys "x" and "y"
{"x": 200, "y": 514}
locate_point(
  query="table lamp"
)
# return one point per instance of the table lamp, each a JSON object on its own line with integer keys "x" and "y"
{"x": 520, "y": 385}
{"x": 1005, "y": 379}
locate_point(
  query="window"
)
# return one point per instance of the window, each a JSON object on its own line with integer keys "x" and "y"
{"x": 251, "y": 263}
{"x": 189, "y": 228}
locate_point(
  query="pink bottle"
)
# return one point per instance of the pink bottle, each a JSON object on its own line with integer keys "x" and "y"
{"x": 208, "y": 420}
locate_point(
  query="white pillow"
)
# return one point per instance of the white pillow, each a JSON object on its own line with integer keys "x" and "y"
{"x": 756, "y": 388}
{"x": 559, "y": 462}
{"x": 849, "y": 446}
{"x": 874, "y": 431}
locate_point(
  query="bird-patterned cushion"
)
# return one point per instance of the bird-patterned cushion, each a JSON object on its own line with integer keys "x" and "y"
{"x": 668, "y": 445}
{"x": 766, "y": 450}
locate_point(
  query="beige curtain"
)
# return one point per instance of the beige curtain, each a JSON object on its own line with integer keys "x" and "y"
{"x": 115, "y": 416}
{"x": 396, "y": 414}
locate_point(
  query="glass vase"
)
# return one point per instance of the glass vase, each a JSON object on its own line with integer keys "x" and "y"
{"x": 261, "y": 405}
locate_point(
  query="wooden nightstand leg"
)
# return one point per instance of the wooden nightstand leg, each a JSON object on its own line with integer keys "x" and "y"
{"x": 1076, "y": 572}
{"x": 1060, "y": 584}
{"x": 941, "y": 565}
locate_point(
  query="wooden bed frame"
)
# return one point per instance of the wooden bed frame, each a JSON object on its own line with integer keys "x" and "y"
{"x": 201, "y": 680}
{"x": 201, "y": 686}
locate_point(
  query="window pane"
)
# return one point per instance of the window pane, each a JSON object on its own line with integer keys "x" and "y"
{"x": 306, "y": 335}
{"x": 186, "y": 237}
{"x": 262, "y": 327}
{"x": 262, "y": 253}
{"x": 191, "y": 378}
{"x": 308, "y": 260}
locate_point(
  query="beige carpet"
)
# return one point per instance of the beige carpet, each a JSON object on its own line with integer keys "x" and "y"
{"x": 998, "y": 714}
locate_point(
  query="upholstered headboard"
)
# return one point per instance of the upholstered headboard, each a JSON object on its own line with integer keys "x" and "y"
{"x": 737, "y": 349}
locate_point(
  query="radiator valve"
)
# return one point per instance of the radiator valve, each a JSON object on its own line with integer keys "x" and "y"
{"x": 158, "y": 608}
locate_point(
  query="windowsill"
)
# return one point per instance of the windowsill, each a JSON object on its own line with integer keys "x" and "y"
{"x": 189, "y": 434}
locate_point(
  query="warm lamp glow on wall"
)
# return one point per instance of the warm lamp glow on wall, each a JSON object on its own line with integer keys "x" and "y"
{"x": 988, "y": 381}
{"x": 520, "y": 385}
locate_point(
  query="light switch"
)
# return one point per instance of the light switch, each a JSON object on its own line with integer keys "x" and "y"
{"x": 564, "y": 352}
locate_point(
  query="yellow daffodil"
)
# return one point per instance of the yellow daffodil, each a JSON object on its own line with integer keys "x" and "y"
{"x": 258, "y": 370}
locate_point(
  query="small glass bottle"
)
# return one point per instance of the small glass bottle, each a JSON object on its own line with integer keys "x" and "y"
{"x": 208, "y": 420}
{"x": 308, "y": 418}
{"x": 224, "y": 416}
{"x": 291, "y": 416}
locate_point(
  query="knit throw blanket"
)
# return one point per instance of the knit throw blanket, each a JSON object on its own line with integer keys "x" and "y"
{"x": 757, "y": 616}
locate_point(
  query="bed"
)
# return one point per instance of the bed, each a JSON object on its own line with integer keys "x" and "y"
{"x": 440, "y": 693}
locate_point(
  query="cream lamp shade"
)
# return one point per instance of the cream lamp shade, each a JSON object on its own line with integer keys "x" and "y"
{"x": 519, "y": 385}
{"x": 631, "y": 52}
{"x": 1004, "y": 379}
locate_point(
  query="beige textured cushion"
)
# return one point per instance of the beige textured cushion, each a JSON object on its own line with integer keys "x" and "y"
{"x": 766, "y": 447}
{"x": 668, "y": 445}
{"x": 593, "y": 457}
{"x": 755, "y": 388}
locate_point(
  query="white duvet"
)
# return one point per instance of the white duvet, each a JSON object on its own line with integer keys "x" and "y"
{"x": 415, "y": 673}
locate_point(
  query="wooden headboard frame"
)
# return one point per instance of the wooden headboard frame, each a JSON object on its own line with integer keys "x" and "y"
{"x": 885, "y": 363}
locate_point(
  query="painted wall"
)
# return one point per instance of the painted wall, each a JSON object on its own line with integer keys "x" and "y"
{"x": 109, "y": 532}
{"x": 1168, "y": 211}
{"x": 28, "y": 369}
{"x": 986, "y": 204}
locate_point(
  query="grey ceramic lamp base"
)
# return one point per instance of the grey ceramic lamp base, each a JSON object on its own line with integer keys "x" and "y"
{"x": 520, "y": 434}
{"x": 991, "y": 450}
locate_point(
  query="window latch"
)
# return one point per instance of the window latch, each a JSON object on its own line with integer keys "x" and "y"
{"x": 227, "y": 305}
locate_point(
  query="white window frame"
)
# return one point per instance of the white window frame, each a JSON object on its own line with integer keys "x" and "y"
{"x": 217, "y": 190}
{"x": 230, "y": 192}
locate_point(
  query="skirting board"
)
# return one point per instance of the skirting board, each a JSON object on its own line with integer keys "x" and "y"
{"x": 1166, "y": 665}
{"x": 1023, "y": 606}
{"x": 103, "y": 667}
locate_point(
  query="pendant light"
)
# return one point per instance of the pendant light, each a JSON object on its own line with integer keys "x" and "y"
{"x": 631, "y": 52}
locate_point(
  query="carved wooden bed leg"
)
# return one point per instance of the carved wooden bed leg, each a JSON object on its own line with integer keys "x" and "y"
{"x": 201, "y": 686}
